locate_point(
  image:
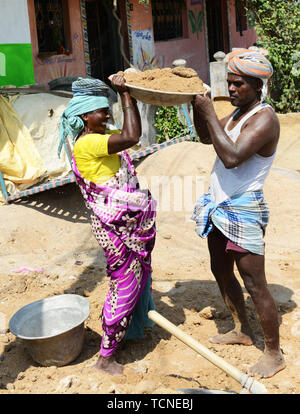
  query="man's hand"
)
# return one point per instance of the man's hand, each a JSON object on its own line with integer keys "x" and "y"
{"x": 203, "y": 106}
{"x": 203, "y": 110}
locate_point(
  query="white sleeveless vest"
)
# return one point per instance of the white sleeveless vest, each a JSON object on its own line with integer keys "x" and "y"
{"x": 250, "y": 175}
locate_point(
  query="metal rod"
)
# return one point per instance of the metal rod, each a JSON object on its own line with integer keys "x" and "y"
{"x": 188, "y": 119}
{"x": 3, "y": 187}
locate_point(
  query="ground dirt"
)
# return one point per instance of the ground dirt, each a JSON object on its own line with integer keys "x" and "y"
{"x": 50, "y": 232}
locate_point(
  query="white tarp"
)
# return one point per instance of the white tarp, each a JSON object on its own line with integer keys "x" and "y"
{"x": 41, "y": 113}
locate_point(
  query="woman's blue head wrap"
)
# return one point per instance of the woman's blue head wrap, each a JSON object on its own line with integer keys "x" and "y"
{"x": 88, "y": 95}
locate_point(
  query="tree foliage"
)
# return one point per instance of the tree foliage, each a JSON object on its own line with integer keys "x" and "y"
{"x": 168, "y": 124}
{"x": 277, "y": 23}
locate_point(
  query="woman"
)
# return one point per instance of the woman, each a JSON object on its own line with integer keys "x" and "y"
{"x": 123, "y": 216}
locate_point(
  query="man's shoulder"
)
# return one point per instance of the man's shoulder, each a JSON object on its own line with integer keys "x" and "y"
{"x": 267, "y": 109}
{"x": 264, "y": 124}
{"x": 265, "y": 116}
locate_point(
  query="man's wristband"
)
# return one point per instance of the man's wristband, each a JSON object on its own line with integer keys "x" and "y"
{"x": 127, "y": 107}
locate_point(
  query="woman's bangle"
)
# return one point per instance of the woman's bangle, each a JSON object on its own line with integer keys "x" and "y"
{"x": 127, "y": 107}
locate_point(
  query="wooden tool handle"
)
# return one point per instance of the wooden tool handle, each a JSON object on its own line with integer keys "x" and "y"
{"x": 240, "y": 377}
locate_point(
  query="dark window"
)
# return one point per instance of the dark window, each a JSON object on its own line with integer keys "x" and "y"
{"x": 103, "y": 39}
{"x": 240, "y": 16}
{"x": 168, "y": 19}
{"x": 217, "y": 27}
{"x": 51, "y": 22}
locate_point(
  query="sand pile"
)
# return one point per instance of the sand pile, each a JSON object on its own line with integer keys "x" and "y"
{"x": 179, "y": 79}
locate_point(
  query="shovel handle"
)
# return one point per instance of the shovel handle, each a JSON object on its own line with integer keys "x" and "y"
{"x": 243, "y": 379}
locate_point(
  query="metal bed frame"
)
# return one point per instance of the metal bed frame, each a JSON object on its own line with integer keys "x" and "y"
{"x": 70, "y": 178}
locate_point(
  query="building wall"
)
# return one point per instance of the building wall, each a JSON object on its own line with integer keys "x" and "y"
{"x": 192, "y": 48}
{"x": 162, "y": 54}
{"x": 73, "y": 64}
{"x": 16, "y": 66}
{"x": 249, "y": 36}
{"x": 19, "y": 43}
{"x": 140, "y": 35}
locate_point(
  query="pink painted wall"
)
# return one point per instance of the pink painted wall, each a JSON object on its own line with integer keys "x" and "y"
{"x": 141, "y": 16}
{"x": 192, "y": 48}
{"x": 249, "y": 36}
{"x": 46, "y": 69}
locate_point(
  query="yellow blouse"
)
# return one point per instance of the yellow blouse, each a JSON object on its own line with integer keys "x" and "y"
{"x": 92, "y": 158}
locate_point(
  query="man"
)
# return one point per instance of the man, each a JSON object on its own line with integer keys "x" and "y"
{"x": 233, "y": 214}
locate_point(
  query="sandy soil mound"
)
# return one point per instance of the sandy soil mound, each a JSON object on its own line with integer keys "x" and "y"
{"x": 178, "y": 79}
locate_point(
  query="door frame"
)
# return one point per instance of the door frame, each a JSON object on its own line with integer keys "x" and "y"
{"x": 122, "y": 11}
{"x": 225, "y": 7}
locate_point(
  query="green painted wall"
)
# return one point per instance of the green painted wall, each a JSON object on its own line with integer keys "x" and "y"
{"x": 16, "y": 65}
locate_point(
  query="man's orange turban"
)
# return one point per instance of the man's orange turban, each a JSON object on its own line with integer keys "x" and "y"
{"x": 247, "y": 62}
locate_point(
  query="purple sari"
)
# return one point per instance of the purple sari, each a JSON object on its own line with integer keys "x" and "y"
{"x": 123, "y": 222}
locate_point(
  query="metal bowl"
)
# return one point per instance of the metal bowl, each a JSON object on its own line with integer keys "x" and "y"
{"x": 52, "y": 329}
{"x": 160, "y": 98}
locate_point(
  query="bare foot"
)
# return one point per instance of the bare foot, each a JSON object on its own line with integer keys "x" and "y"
{"x": 268, "y": 365}
{"x": 231, "y": 338}
{"x": 109, "y": 365}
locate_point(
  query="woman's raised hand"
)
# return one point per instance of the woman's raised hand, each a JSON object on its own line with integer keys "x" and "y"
{"x": 118, "y": 83}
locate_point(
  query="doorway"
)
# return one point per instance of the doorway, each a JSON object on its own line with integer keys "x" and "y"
{"x": 103, "y": 39}
{"x": 217, "y": 27}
